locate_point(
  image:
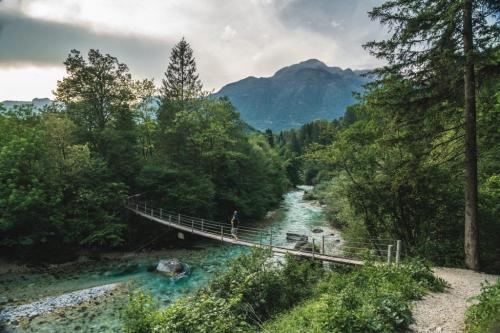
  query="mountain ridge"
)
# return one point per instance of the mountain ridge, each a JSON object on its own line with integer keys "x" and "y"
{"x": 37, "y": 102}
{"x": 295, "y": 94}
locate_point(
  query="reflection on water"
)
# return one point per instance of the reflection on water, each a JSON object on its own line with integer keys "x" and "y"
{"x": 104, "y": 315}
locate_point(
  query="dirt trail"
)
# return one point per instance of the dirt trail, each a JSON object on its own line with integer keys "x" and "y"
{"x": 444, "y": 312}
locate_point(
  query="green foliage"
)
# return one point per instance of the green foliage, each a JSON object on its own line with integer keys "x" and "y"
{"x": 98, "y": 96}
{"x": 394, "y": 167}
{"x": 484, "y": 317}
{"x": 205, "y": 314}
{"x": 368, "y": 299}
{"x": 179, "y": 189}
{"x": 181, "y": 81}
{"x": 137, "y": 316}
{"x": 65, "y": 170}
{"x": 252, "y": 290}
{"x": 52, "y": 192}
{"x": 293, "y": 143}
{"x": 260, "y": 287}
{"x": 206, "y": 164}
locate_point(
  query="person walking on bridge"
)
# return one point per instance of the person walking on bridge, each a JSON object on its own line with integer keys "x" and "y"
{"x": 235, "y": 221}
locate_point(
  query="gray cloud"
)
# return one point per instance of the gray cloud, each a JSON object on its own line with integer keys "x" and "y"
{"x": 26, "y": 40}
{"x": 344, "y": 22}
{"x": 329, "y": 16}
{"x": 231, "y": 39}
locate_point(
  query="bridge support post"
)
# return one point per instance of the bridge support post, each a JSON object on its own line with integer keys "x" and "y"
{"x": 179, "y": 219}
{"x": 201, "y": 224}
{"x": 137, "y": 207}
{"x": 221, "y": 233}
{"x": 169, "y": 220}
{"x": 152, "y": 212}
{"x": 192, "y": 226}
{"x": 313, "y": 247}
{"x": 161, "y": 213}
{"x": 323, "y": 244}
{"x": 389, "y": 254}
{"x": 145, "y": 207}
{"x": 398, "y": 252}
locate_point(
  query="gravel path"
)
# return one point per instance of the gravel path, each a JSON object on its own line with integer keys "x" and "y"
{"x": 444, "y": 312}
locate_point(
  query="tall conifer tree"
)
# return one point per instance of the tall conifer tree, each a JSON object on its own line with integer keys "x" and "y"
{"x": 181, "y": 82}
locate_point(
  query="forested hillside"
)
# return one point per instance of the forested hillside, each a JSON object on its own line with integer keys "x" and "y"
{"x": 66, "y": 169}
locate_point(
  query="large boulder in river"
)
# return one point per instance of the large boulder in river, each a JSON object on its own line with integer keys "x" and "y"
{"x": 170, "y": 267}
{"x": 291, "y": 236}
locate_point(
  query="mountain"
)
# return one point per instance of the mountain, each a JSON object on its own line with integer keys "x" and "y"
{"x": 295, "y": 95}
{"x": 37, "y": 103}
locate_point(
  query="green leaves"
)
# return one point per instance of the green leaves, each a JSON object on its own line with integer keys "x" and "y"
{"x": 207, "y": 165}
{"x": 53, "y": 194}
{"x": 365, "y": 299}
{"x": 484, "y": 316}
{"x": 181, "y": 81}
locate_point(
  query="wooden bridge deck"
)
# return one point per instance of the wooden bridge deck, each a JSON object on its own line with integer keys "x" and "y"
{"x": 196, "y": 226}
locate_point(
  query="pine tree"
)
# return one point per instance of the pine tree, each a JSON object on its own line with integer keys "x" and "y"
{"x": 270, "y": 137}
{"x": 430, "y": 40}
{"x": 181, "y": 82}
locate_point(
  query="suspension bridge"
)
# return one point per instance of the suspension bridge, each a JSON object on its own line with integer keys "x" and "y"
{"x": 324, "y": 248}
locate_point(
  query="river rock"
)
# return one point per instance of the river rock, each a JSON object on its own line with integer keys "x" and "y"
{"x": 170, "y": 267}
{"x": 52, "y": 303}
{"x": 317, "y": 230}
{"x": 296, "y": 237}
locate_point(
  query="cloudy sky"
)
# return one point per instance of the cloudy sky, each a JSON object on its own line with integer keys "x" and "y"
{"x": 232, "y": 39}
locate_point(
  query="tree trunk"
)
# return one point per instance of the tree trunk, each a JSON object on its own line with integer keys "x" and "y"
{"x": 471, "y": 228}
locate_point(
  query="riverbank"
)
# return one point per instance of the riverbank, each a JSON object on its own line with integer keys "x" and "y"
{"x": 46, "y": 305}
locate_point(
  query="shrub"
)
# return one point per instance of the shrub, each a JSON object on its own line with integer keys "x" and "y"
{"x": 484, "y": 317}
{"x": 201, "y": 314}
{"x": 372, "y": 298}
{"x": 138, "y": 315}
{"x": 264, "y": 286}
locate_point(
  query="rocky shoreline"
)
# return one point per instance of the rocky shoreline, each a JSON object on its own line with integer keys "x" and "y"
{"x": 53, "y": 303}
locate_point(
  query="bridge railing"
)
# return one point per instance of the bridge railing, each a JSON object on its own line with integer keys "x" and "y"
{"x": 326, "y": 245}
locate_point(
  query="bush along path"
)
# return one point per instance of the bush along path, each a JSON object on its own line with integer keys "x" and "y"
{"x": 485, "y": 315}
{"x": 373, "y": 298}
{"x": 444, "y": 312}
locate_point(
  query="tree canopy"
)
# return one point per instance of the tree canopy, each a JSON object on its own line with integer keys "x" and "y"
{"x": 66, "y": 169}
